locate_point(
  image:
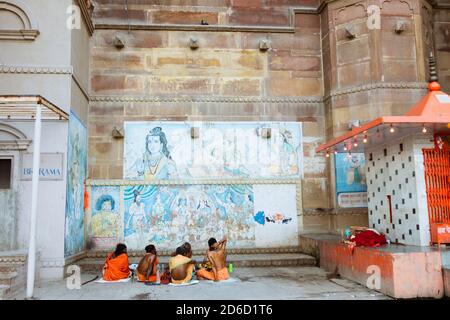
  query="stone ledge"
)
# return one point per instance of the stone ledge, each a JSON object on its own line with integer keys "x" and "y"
{"x": 240, "y": 260}
{"x": 406, "y": 271}
{"x": 133, "y": 253}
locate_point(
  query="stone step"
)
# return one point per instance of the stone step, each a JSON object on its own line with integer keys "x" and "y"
{"x": 8, "y": 278}
{"x": 230, "y": 251}
{"x": 4, "y": 291}
{"x": 238, "y": 260}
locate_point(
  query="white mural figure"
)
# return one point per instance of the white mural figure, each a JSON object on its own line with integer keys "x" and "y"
{"x": 156, "y": 162}
{"x": 74, "y": 172}
{"x": 137, "y": 219}
{"x": 289, "y": 158}
{"x": 355, "y": 174}
{"x": 180, "y": 218}
{"x": 158, "y": 212}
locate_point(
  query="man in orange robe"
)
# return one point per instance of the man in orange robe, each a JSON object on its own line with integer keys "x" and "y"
{"x": 216, "y": 255}
{"x": 116, "y": 264}
{"x": 181, "y": 265}
{"x": 148, "y": 266}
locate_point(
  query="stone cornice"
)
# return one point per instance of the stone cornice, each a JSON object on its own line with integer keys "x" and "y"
{"x": 377, "y": 85}
{"x": 225, "y": 99}
{"x": 30, "y": 69}
{"x": 187, "y": 27}
{"x": 176, "y": 182}
{"x": 202, "y": 99}
{"x": 13, "y": 259}
{"x": 290, "y": 28}
{"x": 19, "y": 34}
{"x": 86, "y": 16}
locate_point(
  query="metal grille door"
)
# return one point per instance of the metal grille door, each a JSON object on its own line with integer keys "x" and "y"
{"x": 437, "y": 180}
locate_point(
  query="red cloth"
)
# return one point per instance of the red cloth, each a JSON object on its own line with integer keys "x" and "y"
{"x": 369, "y": 238}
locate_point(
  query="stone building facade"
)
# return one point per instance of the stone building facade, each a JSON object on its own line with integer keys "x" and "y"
{"x": 326, "y": 66}
{"x": 324, "y": 63}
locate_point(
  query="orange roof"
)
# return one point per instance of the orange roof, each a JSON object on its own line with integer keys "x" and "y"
{"x": 431, "y": 112}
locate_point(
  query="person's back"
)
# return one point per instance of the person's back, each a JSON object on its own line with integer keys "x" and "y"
{"x": 116, "y": 264}
{"x": 181, "y": 267}
{"x": 148, "y": 265}
{"x": 216, "y": 255}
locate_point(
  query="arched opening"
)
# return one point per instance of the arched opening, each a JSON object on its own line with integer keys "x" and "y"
{"x": 16, "y": 22}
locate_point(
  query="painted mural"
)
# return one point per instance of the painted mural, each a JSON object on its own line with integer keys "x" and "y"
{"x": 276, "y": 215}
{"x": 351, "y": 185}
{"x": 166, "y": 150}
{"x": 168, "y": 216}
{"x": 250, "y": 215}
{"x": 105, "y": 226}
{"x": 76, "y": 174}
{"x": 350, "y": 173}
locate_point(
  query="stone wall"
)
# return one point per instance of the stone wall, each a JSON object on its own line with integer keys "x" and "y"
{"x": 442, "y": 41}
{"x": 157, "y": 76}
{"x": 313, "y": 73}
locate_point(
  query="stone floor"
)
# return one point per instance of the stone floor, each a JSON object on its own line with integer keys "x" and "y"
{"x": 281, "y": 283}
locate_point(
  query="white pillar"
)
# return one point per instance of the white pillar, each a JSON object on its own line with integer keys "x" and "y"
{"x": 34, "y": 202}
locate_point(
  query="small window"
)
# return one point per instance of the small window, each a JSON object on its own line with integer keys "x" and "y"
{"x": 5, "y": 174}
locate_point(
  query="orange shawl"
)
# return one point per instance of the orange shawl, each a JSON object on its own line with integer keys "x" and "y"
{"x": 116, "y": 268}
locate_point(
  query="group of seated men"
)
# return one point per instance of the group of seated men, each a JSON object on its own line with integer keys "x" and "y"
{"x": 181, "y": 266}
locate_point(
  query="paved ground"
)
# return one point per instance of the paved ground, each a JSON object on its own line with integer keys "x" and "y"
{"x": 281, "y": 283}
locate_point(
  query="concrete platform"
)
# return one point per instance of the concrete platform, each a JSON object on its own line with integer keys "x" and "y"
{"x": 277, "y": 283}
{"x": 238, "y": 260}
{"x": 405, "y": 271}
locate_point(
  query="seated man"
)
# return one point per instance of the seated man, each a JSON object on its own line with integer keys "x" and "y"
{"x": 148, "y": 266}
{"x": 116, "y": 264}
{"x": 181, "y": 267}
{"x": 216, "y": 256}
{"x": 188, "y": 249}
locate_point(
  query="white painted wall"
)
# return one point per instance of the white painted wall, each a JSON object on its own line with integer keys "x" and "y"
{"x": 56, "y": 48}
{"x": 274, "y": 199}
{"x": 401, "y": 175}
{"x": 51, "y": 201}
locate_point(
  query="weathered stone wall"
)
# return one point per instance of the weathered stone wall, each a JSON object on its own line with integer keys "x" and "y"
{"x": 312, "y": 73}
{"x": 442, "y": 45}
{"x": 379, "y": 71}
{"x": 157, "y": 76}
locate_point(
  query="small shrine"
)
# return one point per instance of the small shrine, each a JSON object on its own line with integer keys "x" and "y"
{"x": 407, "y": 169}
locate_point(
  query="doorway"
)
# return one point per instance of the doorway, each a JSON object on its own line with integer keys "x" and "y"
{"x": 437, "y": 181}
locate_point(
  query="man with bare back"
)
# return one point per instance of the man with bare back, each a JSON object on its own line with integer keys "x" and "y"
{"x": 216, "y": 255}
{"x": 181, "y": 266}
{"x": 147, "y": 268}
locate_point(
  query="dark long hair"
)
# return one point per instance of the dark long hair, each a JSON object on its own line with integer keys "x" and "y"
{"x": 120, "y": 248}
{"x": 157, "y": 131}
